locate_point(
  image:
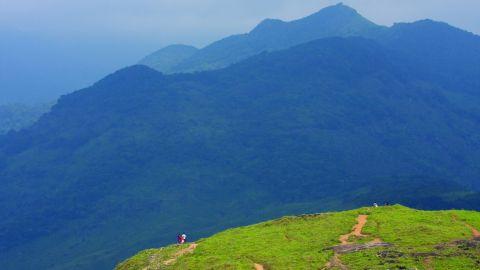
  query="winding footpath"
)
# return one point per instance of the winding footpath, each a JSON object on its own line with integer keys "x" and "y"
{"x": 335, "y": 262}
{"x": 347, "y": 247}
{"x": 356, "y": 230}
{"x": 475, "y": 232}
{"x": 180, "y": 253}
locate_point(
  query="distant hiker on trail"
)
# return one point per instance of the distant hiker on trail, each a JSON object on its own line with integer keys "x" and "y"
{"x": 180, "y": 239}
{"x": 184, "y": 238}
{"x": 375, "y": 205}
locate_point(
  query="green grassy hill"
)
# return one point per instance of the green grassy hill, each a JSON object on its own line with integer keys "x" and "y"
{"x": 392, "y": 237}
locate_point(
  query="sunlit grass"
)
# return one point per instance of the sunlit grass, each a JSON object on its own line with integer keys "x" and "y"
{"x": 303, "y": 243}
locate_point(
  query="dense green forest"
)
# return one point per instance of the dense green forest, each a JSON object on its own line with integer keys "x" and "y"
{"x": 334, "y": 123}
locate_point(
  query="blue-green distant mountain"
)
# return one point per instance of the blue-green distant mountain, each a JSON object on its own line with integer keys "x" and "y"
{"x": 329, "y": 124}
{"x": 167, "y": 58}
{"x": 269, "y": 35}
{"x": 18, "y": 116}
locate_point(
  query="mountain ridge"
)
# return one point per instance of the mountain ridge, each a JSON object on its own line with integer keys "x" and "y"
{"x": 273, "y": 34}
{"x": 167, "y": 57}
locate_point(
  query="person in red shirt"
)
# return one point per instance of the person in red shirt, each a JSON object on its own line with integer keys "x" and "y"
{"x": 180, "y": 239}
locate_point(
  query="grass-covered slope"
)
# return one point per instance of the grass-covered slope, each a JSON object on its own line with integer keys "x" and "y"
{"x": 393, "y": 237}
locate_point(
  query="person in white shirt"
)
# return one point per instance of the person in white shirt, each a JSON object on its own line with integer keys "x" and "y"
{"x": 184, "y": 238}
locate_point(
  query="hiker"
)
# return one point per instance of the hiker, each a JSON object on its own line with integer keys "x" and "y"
{"x": 184, "y": 238}
{"x": 180, "y": 239}
{"x": 375, "y": 205}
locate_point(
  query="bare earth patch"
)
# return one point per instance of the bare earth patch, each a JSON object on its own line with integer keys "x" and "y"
{"x": 475, "y": 232}
{"x": 180, "y": 253}
{"x": 258, "y": 266}
{"x": 356, "y": 230}
{"x": 347, "y": 247}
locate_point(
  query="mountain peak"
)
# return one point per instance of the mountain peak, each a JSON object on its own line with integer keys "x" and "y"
{"x": 267, "y": 25}
{"x": 177, "y": 47}
{"x": 428, "y": 27}
{"x": 335, "y": 17}
{"x": 337, "y": 9}
{"x": 130, "y": 73}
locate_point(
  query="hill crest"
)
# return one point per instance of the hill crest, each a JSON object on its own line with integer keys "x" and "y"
{"x": 391, "y": 237}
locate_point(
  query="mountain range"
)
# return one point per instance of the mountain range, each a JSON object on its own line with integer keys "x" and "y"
{"x": 269, "y": 35}
{"x": 353, "y": 114}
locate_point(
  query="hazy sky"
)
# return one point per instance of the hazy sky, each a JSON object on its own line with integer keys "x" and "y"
{"x": 200, "y": 21}
{"x": 61, "y": 45}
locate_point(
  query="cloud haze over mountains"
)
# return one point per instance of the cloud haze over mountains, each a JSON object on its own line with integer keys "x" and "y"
{"x": 78, "y": 42}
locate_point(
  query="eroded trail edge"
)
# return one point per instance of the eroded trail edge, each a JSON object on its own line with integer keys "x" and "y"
{"x": 335, "y": 261}
{"x": 475, "y": 232}
{"x": 258, "y": 266}
{"x": 348, "y": 247}
{"x": 180, "y": 253}
{"x": 356, "y": 230}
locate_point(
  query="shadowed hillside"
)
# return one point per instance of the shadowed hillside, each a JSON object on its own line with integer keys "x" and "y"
{"x": 331, "y": 124}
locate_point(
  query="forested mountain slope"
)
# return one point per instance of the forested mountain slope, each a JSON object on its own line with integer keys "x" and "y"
{"x": 330, "y": 124}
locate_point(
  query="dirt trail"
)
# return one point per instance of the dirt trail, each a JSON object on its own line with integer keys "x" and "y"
{"x": 348, "y": 247}
{"x": 335, "y": 262}
{"x": 475, "y": 232}
{"x": 356, "y": 230}
{"x": 428, "y": 263}
{"x": 180, "y": 253}
{"x": 258, "y": 266}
